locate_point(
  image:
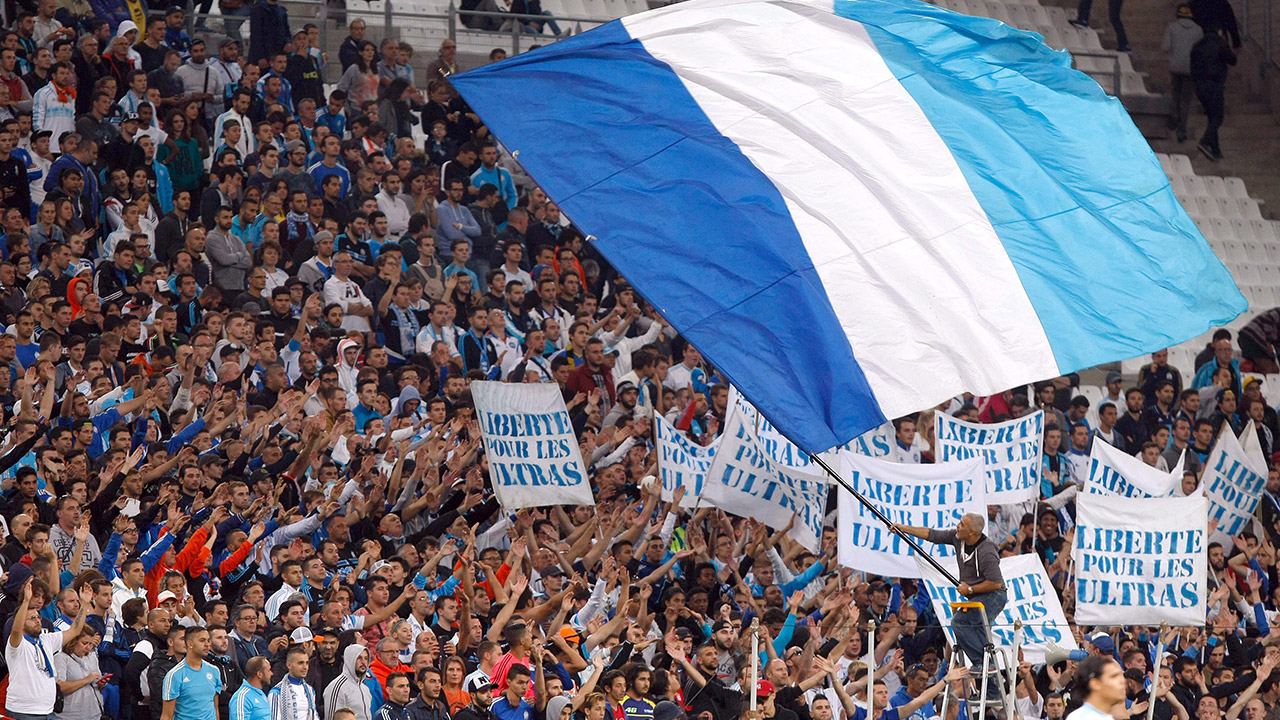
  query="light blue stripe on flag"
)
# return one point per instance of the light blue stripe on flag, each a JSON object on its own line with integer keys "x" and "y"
{"x": 1111, "y": 261}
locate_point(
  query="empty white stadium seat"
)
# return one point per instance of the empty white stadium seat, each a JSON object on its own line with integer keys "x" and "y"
{"x": 1182, "y": 165}
{"x": 1235, "y": 186}
{"x": 1223, "y": 230}
{"x": 1204, "y": 207}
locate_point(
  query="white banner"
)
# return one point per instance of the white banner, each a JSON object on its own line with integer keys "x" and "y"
{"x": 1234, "y": 477}
{"x": 932, "y": 496}
{"x": 530, "y": 444}
{"x": 873, "y": 443}
{"x": 681, "y": 462}
{"x": 1140, "y": 561}
{"x": 1115, "y": 472}
{"x": 1012, "y": 450}
{"x": 745, "y": 480}
{"x": 1031, "y": 599}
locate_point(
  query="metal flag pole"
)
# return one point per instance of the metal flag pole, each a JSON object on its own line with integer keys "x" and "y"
{"x": 755, "y": 662}
{"x": 880, "y": 516}
{"x": 871, "y": 669}
{"x": 1151, "y": 696}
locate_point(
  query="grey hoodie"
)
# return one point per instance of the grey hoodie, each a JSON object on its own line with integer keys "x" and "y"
{"x": 348, "y": 690}
{"x": 1179, "y": 37}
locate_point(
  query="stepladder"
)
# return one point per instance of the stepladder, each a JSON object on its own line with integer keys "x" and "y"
{"x": 990, "y": 689}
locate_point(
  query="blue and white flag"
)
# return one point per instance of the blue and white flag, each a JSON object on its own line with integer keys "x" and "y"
{"x": 1234, "y": 478}
{"x": 857, "y": 209}
{"x": 1114, "y": 472}
{"x": 681, "y": 462}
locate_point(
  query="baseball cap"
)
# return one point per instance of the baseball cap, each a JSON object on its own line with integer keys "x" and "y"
{"x": 166, "y": 595}
{"x": 228, "y": 41}
{"x": 301, "y": 635}
{"x": 721, "y": 625}
{"x": 1114, "y": 376}
{"x": 478, "y": 684}
{"x": 229, "y": 349}
{"x": 173, "y": 9}
{"x": 293, "y": 145}
{"x": 553, "y": 571}
{"x": 626, "y": 385}
{"x": 684, "y": 633}
{"x": 764, "y": 688}
{"x": 1103, "y": 642}
{"x": 130, "y": 117}
{"x": 211, "y": 459}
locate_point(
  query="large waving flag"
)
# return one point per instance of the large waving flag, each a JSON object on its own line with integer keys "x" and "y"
{"x": 857, "y": 210}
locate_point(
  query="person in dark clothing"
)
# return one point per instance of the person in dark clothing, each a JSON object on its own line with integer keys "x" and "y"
{"x": 268, "y": 29}
{"x": 705, "y": 692}
{"x": 1259, "y": 340}
{"x": 220, "y": 657}
{"x": 1216, "y": 14}
{"x": 1113, "y": 14}
{"x": 13, "y": 176}
{"x": 1211, "y": 59}
{"x": 304, "y": 72}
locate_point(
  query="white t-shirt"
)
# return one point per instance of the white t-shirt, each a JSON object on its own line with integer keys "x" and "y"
{"x": 32, "y": 684}
{"x": 679, "y": 376}
{"x": 347, "y": 294}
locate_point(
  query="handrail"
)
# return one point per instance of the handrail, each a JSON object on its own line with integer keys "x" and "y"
{"x": 1115, "y": 66}
{"x": 236, "y": 25}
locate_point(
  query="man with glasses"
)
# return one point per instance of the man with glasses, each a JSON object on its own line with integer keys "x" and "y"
{"x": 350, "y": 48}
{"x": 245, "y": 639}
{"x": 917, "y": 680}
{"x": 446, "y": 63}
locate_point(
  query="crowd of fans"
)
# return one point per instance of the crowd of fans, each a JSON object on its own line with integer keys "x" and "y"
{"x": 242, "y": 476}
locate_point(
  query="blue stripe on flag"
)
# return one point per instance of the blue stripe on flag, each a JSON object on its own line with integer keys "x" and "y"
{"x": 1102, "y": 229}
{"x": 751, "y": 294}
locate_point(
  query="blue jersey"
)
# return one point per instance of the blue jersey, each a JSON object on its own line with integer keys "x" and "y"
{"x": 196, "y": 691}
{"x": 249, "y": 703}
{"x": 504, "y": 710}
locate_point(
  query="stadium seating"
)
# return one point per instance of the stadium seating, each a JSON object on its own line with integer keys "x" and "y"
{"x": 1246, "y": 242}
{"x": 1052, "y": 23}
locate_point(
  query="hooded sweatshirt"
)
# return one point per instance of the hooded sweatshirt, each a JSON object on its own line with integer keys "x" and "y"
{"x": 347, "y": 373}
{"x": 348, "y": 690}
{"x": 408, "y": 393}
{"x": 201, "y": 77}
{"x": 1179, "y": 37}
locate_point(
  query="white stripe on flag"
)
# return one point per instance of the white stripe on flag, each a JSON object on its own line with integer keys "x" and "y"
{"x": 896, "y": 234}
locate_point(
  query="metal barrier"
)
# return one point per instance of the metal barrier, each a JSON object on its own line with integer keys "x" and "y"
{"x": 451, "y": 20}
{"x": 1115, "y": 72}
{"x": 1257, "y": 25}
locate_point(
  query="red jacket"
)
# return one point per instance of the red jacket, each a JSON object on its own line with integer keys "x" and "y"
{"x": 581, "y": 381}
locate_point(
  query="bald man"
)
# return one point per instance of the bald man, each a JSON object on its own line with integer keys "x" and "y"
{"x": 980, "y": 579}
{"x": 16, "y": 545}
